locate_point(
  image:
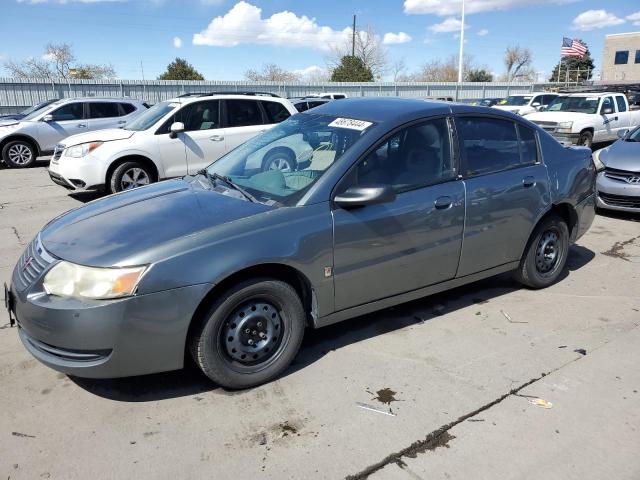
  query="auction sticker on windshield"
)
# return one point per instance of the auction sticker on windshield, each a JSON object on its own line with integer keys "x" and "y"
{"x": 351, "y": 123}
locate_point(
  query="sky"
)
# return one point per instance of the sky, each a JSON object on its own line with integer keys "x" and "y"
{"x": 224, "y": 38}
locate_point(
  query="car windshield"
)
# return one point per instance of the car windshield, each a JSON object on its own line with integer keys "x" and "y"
{"x": 515, "y": 100}
{"x": 150, "y": 117}
{"x": 634, "y": 136}
{"x": 574, "y": 104}
{"x": 279, "y": 166}
{"x": 36, "y": 107}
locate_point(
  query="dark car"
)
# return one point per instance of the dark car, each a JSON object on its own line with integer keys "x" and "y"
{"x": 307, "y": 103}
{"x": 395, "y": 199}
{"x": 27, "y": 111}
{"x": 488, "y": 102}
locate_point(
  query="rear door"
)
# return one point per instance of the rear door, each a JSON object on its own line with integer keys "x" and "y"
{"x": 624, "y": 119}
{"x": 105, "y": 115}
{"x": 507, "y": 190}
{"x": 68, "y": 119}
{"x": 244, "y": 119}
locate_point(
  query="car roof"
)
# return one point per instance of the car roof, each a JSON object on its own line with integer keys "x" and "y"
{"x": 590, "y": 94}
{"x": 93, "y": 99}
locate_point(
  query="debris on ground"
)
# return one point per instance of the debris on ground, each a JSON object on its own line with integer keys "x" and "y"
{"x": 562, "y": 346}
{"x": 539, "y": 402}
{"x": 508, "y": 317}
{"x": 581, "y": 351}
{"x": 18, "y": 434}
{"x": 366, "y": 406}
{"x": 385, "y": 395}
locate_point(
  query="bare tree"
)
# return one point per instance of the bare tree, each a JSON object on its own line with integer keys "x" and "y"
{"x": 517, "y": 62}
{"x": 368, "y": 48}
{"x": 441, "y": 70}
{"x": 61, "y": 57}
{"x": 270, "y": 72}
{"x": 88, "y": 71}
{"x": 398, "y": 69}
{"x": 29, "y": 68}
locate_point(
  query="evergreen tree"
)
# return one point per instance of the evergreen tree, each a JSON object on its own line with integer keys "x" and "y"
{"x": 180, "y": 69}
{"x": 351, "y": 69}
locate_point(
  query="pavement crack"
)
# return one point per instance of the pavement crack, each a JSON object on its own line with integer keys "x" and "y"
{"x": 17, "y": 234}
{"x": 441, "y": 436}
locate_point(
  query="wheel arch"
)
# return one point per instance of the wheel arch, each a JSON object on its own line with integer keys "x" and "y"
{"x": 132, "y": 158}
{"x": 564, "y": 210}
{"x": 24, "y": 137}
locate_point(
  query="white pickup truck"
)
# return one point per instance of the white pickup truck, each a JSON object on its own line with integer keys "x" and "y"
{"x": 587, "y": 118}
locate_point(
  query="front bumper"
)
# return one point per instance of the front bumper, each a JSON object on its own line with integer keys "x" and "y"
{"x": 105, "y": 339}
{"x": 617, "y": 195}
{"x": 567, "y": 138}
{"x": 80, "y": 174}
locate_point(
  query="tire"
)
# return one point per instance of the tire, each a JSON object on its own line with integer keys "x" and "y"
{"x": 19, "y": 154}
{"x": 282, "y": 160}
{"x": 586, "y": 139}
{"x": 221, "y": 342}
{"x": 545, "y": 255}
{"x": 129, "y": 175}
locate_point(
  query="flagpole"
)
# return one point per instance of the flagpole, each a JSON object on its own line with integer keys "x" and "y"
{"x": 461, "y": 45}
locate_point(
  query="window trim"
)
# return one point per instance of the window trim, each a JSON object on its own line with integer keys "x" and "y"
{"x": 455, "y": 159}
{"x": 463, "y": 157}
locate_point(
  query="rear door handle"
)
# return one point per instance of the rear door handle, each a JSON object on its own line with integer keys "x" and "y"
{"x": 216, "y": 138}
{"x": 528, "y": 182}
{"x": 442, "y": 202}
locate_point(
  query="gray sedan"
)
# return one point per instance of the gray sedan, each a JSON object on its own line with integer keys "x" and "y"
{"x": 392, "y": 200}
{"x": 618, "y": 167}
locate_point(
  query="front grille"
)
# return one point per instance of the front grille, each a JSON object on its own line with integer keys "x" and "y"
{"x": 620, "y": 200}
{"x": 548, "y": 126}
{"x": 32, "y": 263}
{"x": 57, "y": 153}
{"x": 622, "y": 175}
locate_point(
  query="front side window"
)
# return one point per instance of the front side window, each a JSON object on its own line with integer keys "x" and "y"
{"x": 488, "y": 145}
{"x": 103, "y": 110}
{"x": 539, "y": 100}
{"x": 415, "y": 157}
{"x": 201, "y": 116}
{"x": 528, "y": 146}
{"x": 70, "y": 111}
{"x": 314, "y": 141}
{"x": 622, "y": 105}
{"x": 150, "y": 117}
{"x": 622, "y": 57}
{"x": 547, "y": 99}
{"x": 243, "y": 113}
{"x": 516, "y": 101}
{"x": 276, "y": 112}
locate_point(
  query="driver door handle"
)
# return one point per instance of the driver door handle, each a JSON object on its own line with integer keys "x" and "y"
{"x": 528, "y": 181}
{"x": 216, "y": 138}
{"x": 443, "y": 202}
{"x": 82, "y": 125}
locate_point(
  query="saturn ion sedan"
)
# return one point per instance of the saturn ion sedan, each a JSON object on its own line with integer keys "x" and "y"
{"x": 395, "y": 199}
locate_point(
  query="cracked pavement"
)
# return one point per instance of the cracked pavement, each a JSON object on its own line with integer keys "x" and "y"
{"x": 459, "y": 371}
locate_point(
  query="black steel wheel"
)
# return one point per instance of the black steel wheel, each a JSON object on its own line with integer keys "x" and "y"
{"x": 250, "y": 334}
{"x": 546, "y": 253}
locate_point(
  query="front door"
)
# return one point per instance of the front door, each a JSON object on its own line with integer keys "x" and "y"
{"x": 67, "y": 120}
{"x": 414, "y": 241}
{"x": 204, "y": 140}
{"x": 507, "y": 190}
{"x": 610, "y": 121}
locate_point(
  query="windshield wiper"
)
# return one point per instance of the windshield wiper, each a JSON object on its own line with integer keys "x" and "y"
{"x": 216, "y": 176}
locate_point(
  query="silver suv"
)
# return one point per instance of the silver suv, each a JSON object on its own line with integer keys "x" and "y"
{"x": 22, "y": 141}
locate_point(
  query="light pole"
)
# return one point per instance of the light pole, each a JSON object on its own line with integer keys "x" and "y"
{"x": 461, "y": 46}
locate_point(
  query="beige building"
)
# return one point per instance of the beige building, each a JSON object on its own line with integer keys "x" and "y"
{"x": 621, "y": 57}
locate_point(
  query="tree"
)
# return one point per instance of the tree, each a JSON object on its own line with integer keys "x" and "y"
{"x": 57, "y": 63}
{"x": 270, "y": 73}
{"x": 479, "y": 75}
{"x": 580, "y": 69}
{"x": 517, "y": 62}
{"x": 368, "y": 48}
{"x": 444, "y": 70}
{"x": 180, "y": 69}
{"x": 398, "y": 68}
{"x": 351, "y": 69}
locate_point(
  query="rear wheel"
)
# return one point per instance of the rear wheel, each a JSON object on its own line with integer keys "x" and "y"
{"x": 129, "y": 175}
{"x": 546, "y": 253}
{"x": 586, "y": 139}
{"x": 250, "y": 335}
{"x": 280, "y": 160}
{"x": 19, "y": 154}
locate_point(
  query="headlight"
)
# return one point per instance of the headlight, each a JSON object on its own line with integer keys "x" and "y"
{"x": 564, "y": 127}
{"x": 70, "y": 280}
{"x": 597, "y": 162}
{"x": 78, "y": 151}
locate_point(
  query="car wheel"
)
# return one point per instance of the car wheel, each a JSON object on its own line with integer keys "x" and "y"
{"x": 250, "y": 334}
{"x": 280, "y": 160}
{"x": 586, "y": 139}
{"x": 546, "y": 253}
{"x": 129, "y": 175}
{"x": 19, "y": 154}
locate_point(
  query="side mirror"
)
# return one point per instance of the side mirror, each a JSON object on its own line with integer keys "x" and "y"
{"x": 542, "y": 108}
{"x": 355, "y": 197}
{"x": 623, "y": 133}
{"x": 606, "y": 111}
{"x": 175, "y": 129}
{"x": 536, "y": 104}
{"x": 47, "y": 118}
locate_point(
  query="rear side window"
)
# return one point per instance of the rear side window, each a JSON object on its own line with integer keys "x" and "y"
{"x": 302, "y": 106}
{"x": 103, "y": 110}
{"x": 127, "y": 108}
{"x": 70, "y": 111}
{"x": 488, "y": 145}
{"x": 622, "y": 105}
{"x": 528, "y": 146}
{"x": 242, "y": 113}
{"x": 276, "y": 112}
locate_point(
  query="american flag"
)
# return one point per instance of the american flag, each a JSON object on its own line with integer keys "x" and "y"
{"x": 572, "y": 48}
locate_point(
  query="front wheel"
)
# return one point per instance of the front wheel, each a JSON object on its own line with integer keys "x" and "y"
{"x": 19, "y": 154}
{"x": 546, "y": 254}
{"x": 586, "y": 139}
{"x": 250, "y": 334}
{"x": 129, "y": 175}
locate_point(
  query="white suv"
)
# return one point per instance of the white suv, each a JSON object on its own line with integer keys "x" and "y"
{"x": 173, "y": 138}
{"x": 22, "y": 141}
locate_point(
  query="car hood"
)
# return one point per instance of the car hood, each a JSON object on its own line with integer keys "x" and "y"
{"x": 11, "y": 118}
{"x": 106, "y": 135}
{"x": 9, "y": 123}
{"x": 109, "y": 231}
{"x": 622, "y": 156}
{"x": 556, "y": 116}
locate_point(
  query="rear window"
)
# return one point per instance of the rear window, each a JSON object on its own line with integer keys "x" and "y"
{"x": 302, "y": 106}
{"x": 276, "y": 112}
{"x": 103, "y": 110}
{"x": 127, "y": 108}
{"x": 243, "y": 113}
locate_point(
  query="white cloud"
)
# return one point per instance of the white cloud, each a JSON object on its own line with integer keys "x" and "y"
{"x": 592, "y": 19}
{"x": 177, "y": 42}
{"x": 244, "y": 24}
{"x": 444, "y": 8}
{"x": 634, "y": 18}
{"x": 483, "y": 32}
{"x": 450, "y": 24}
{"x": 395, "y": 38}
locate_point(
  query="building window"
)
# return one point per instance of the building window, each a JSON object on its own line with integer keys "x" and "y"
{"x": 622, "y": 57}
{"x": 637, "y": 56}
